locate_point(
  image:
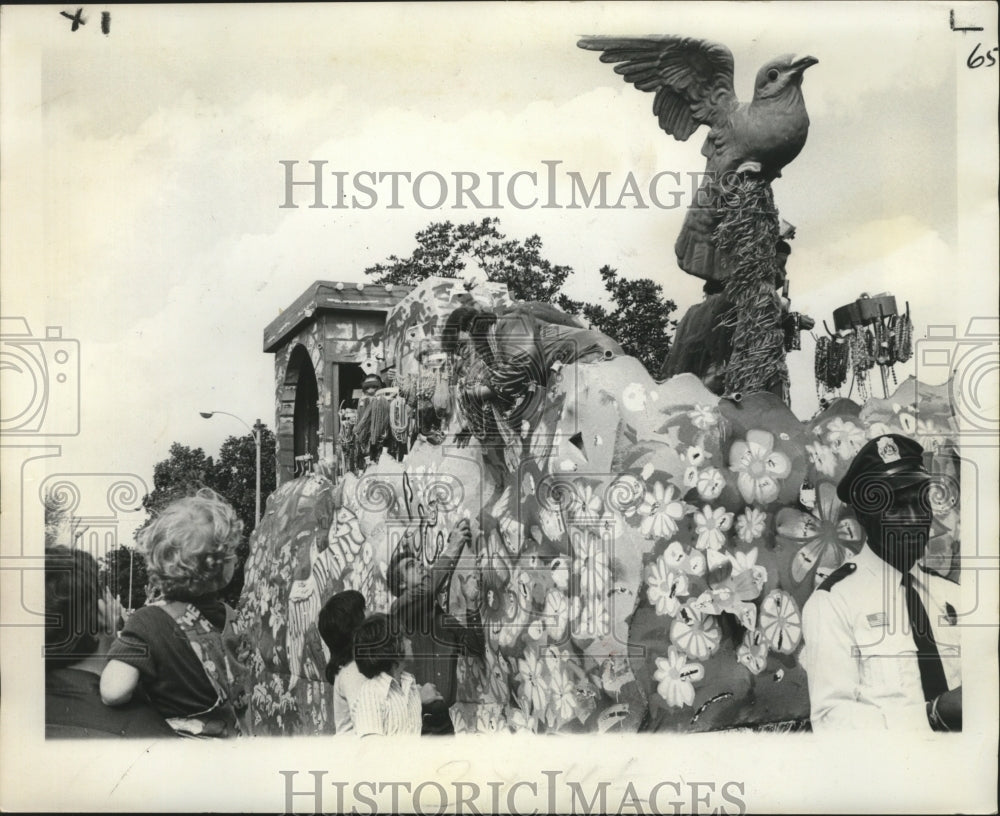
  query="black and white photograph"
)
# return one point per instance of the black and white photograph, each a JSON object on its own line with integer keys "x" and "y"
{"x": 499, "y": 407}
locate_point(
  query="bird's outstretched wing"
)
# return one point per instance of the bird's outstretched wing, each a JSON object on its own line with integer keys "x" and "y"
{"x": 693, "y": 79}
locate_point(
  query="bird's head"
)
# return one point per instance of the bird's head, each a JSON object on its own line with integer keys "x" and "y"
{"x": 776, "y": 77}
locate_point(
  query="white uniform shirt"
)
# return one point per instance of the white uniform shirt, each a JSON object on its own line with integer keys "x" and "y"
{"x": 859, "y": 653}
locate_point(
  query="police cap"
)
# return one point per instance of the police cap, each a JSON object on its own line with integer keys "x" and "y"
{"x": 899, "y": 459}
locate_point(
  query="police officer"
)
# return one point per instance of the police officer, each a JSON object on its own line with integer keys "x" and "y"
{"x": 881, "y": 634}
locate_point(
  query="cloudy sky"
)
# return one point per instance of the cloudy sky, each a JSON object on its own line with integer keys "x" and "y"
{"x": 142, "y": 181}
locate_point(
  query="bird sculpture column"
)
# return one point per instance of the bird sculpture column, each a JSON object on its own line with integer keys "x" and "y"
{"x": 731, "y": 229}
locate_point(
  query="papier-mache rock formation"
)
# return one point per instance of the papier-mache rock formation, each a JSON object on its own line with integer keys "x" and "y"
{"x": 645, "y": 548}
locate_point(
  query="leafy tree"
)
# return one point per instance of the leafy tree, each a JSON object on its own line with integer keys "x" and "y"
{"x": 233, "y": 478}
{"x": 640, "y": 315}
{"x": 231, "y": 475}
{"x": 640, "y": 320}
{"x": 181, "y": 474}
{"x": 124, "y": 568}
{"x": 444, "y": 248}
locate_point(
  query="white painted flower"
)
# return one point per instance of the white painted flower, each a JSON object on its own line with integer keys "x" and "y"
{"x": 634, "y": 397}
{"x": 703, "y": 417}
{"x": 878, "y": 429}
{"x": 711, "y": 525}
{"x": 698, "y": 635}
{"x": 710, "y": 483}
{"x": 675, "y": 678}
{"x": 930, "y": 435}
{"x": 759, "y": 467}
{"x": 696, "y": 455}
{"x": 822, "y": 458}
{"x": 845, "y": 437}
{"x": 661, "y": 510}
{"x": 562, "y": 699}
{"x": 753, "y": 651}
{"x": 587, "y": 503}
{"x": 560, "y": 572}
{"x": 521, "y": 723}
{"x": 556, "y": 614}
{"x": 533, "y": 686}
{"x": 695, "y": 564}
{"x": 674, "y": 555}
{"x": 745, "y": 566}
{"x": 690, "y": 476}
{"x": 907, "y": 422}
{"x": 666, "y": 588}
{"x": 750, "y": 525}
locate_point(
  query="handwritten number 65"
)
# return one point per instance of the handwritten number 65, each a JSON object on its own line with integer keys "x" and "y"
{"x": 977, "y": 60}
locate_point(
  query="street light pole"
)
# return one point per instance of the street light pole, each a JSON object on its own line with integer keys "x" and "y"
{"x": 255, "y": 432}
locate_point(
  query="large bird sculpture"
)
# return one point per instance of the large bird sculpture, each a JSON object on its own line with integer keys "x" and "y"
{"x": 693, "y": 85}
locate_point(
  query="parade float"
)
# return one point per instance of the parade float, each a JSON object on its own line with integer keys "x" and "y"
{"x": 645, "y": 547}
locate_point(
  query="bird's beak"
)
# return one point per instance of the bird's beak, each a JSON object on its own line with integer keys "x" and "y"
{"x": 800, "y": 65}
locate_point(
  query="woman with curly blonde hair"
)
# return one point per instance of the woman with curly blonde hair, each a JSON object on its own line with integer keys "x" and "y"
{"x": 178, "y": 646}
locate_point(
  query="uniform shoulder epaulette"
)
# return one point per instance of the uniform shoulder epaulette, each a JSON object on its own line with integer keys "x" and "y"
{"x": 838, "y": 575}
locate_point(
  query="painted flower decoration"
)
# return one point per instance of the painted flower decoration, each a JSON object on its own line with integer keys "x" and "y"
{"x": 781, "y": 621}
{"x": 877, "y": 429}
{"x": 907, "y": 421}
{"x": 666, "y": 588}
{"x": 845, "y": 437}
{"x": 634, "y": 397}
{"x": 759, "y": 466}
{"x": 696, "y": 456}
{"x": 513, "y": 619}
{"x": 345, "y": 539}
{"x": 747, "y": 576}
{"x": 661, "y": 509}
{"x": 703, "y": 417}
{"x": 750, "y": 525}
{"x": 676, "y": 557}
{"x": 696, "y": 634}
{"x": 711, "y": 525}
{"x": 929, "y": 435}
{"x": 533, "y": 686}
{"x": 710, "y": 483}
{"x": 489, "y": 719}
{"x": 822, "y": 458}
{"x": 587, "y": 503}
{"x": 823, "y": 537}
{"x": 521, "y": 723}
{"x": 556, "y": 614}
{"x": 562, "y": 699}
{"x": 675, "y": 678}
{"x": 752, "y": 653}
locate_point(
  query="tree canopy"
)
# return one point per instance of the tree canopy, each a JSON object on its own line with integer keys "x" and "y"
{"x": 639, "y": 317}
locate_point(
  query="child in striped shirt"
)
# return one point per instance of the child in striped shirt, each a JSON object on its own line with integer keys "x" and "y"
{"x": 388, "y": 702}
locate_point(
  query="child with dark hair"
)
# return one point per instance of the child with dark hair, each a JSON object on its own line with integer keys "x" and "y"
{"x": 81, "y": 617}
{"x": 339, "y": 619}
{"x": 388, "y": 702}
{"x": 437, "y": 637}
{"x": 180, "y": 647}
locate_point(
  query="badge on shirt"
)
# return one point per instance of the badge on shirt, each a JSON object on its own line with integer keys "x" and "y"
{"x": 878, "y": 619}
